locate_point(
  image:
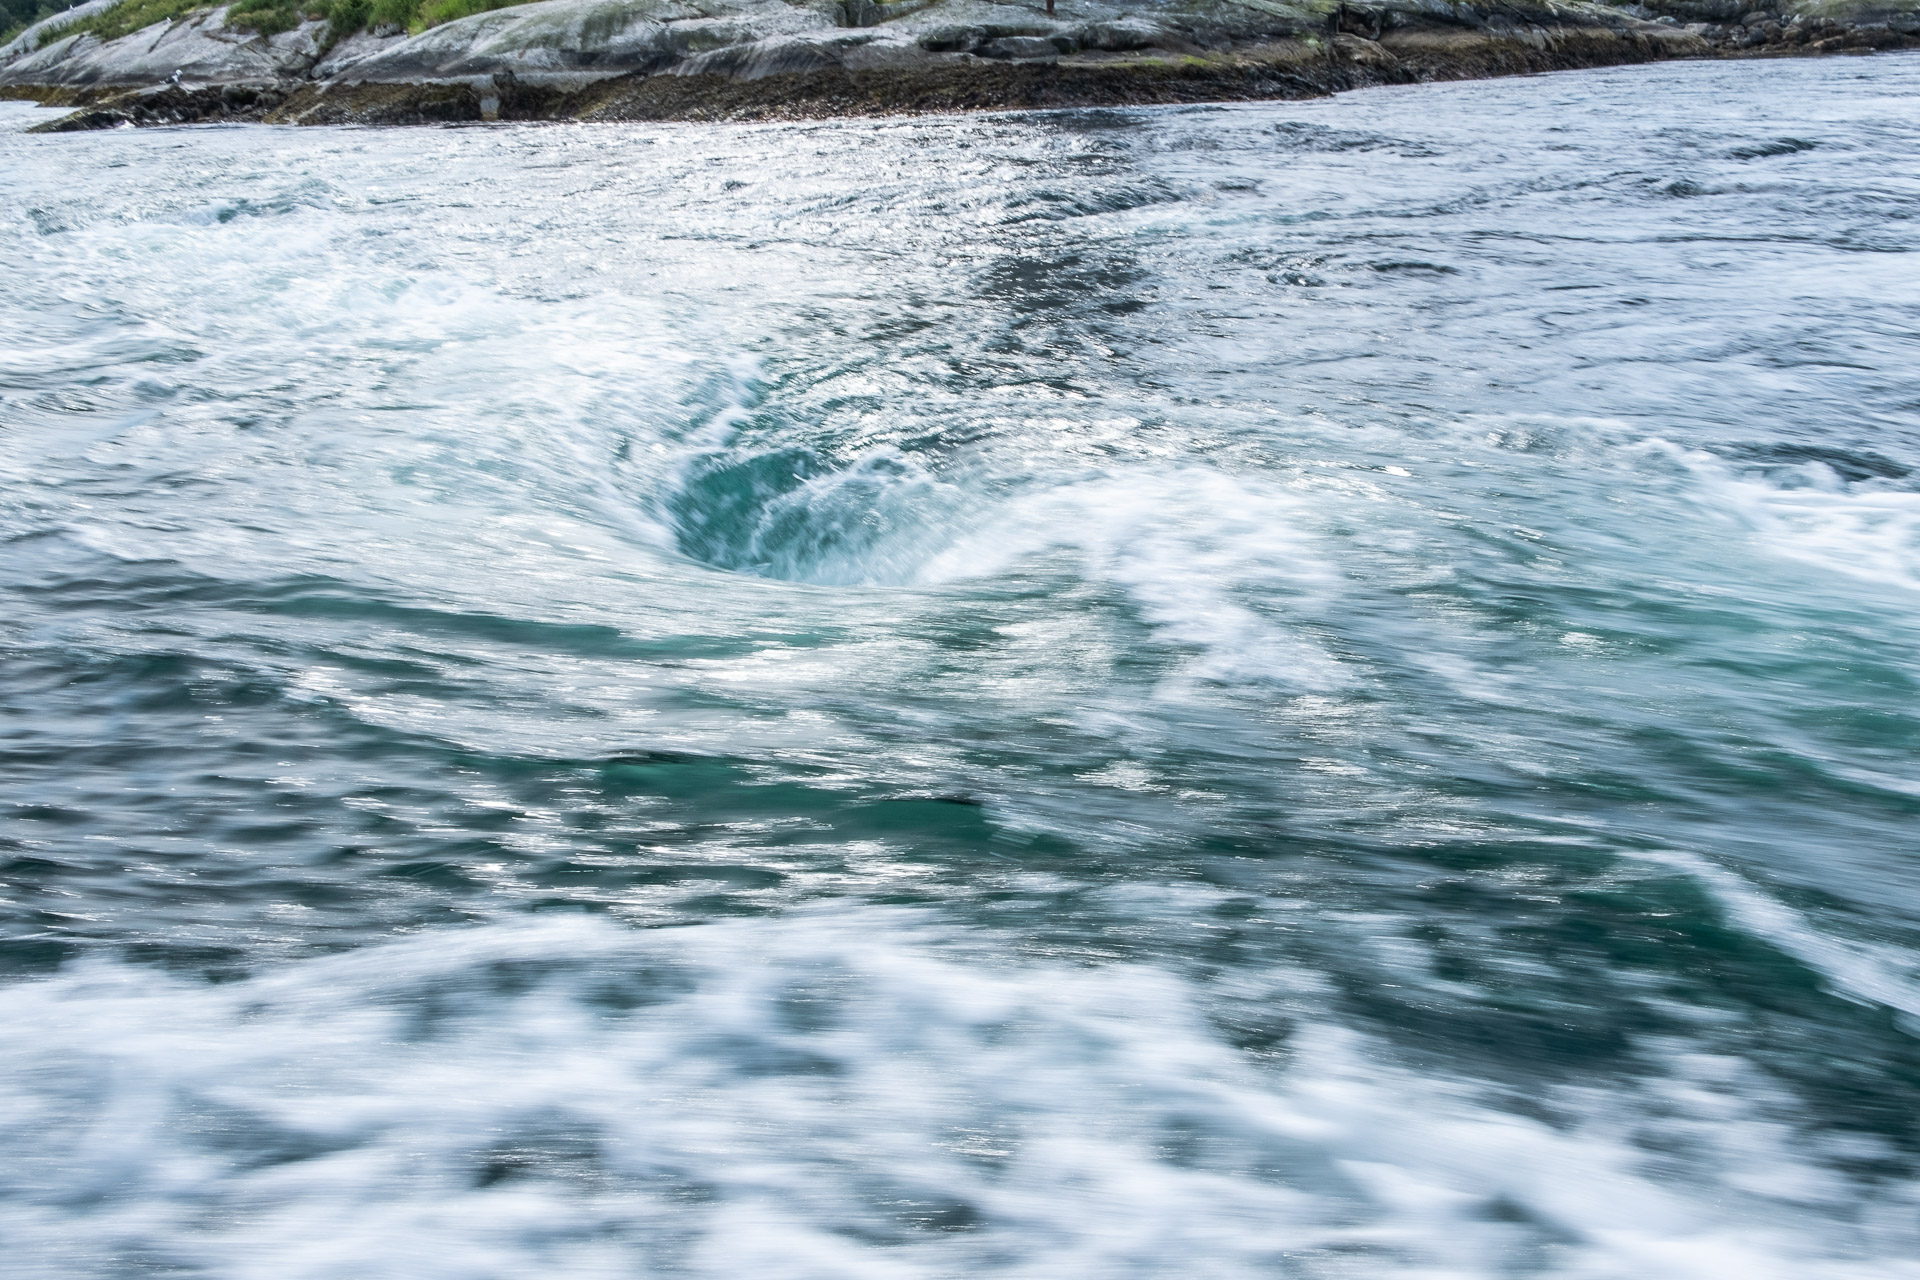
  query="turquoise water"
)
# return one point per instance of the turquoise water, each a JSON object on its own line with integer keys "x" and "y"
{"x": 1310, "y": 690}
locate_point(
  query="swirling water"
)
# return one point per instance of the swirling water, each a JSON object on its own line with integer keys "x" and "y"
{"x": 1311, "y": 690}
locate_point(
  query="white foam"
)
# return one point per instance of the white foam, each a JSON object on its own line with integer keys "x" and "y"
{"x": 1218, "y": 564}
{"x": 1867, "y": 530}
{"x": 825, "y": 1096}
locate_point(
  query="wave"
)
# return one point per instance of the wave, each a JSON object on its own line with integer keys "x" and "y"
{"x": 1852, "y": 513}
{"x": 1860, "y": 970}
{"x": 1214, "y": 564}
{"x": 1219, "y": 565}
{"x": 835, "y": 1095}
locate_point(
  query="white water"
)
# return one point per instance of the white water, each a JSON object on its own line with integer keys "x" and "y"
{"x": 1317, "y": 690}
{"x": 839, "y": 1096}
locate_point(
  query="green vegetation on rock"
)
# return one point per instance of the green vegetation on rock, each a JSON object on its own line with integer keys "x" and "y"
{"x": 417, "y": 15}
{"x": 268, "y": 17}
{"x": 17, "y": 15}
{"x": 125, "y": 19}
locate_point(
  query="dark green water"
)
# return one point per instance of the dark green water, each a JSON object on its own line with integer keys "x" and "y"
{"x": 1320, "y": 690}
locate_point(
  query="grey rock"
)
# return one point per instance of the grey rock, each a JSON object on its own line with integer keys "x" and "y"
{"x": 555, "y": 48}
{"x": 198, "y": 47}
{"x": 355, "y": 48}
{"x": 44, "y": 30}
{"x": 1121, "y": 36}
{"x": 573, "y": 41}
{"x": 1020, "y": 48}
{"x": 779, "y": 56}
{"x": 952, "y": 39}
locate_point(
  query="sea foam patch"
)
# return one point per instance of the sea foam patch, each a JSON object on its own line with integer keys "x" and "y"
{"x": 1224, "y": 566}
{"x": 1829, "y": 511}
{"x": 831, "y": 1095}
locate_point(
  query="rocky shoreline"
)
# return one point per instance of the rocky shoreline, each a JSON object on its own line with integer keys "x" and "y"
{"x": 774, "y": 59}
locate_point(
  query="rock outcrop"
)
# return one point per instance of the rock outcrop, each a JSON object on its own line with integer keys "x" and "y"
{"x": 692, "y": 59}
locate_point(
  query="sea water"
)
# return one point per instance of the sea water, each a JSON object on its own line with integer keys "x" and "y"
{"x": 1315, "y": 690}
